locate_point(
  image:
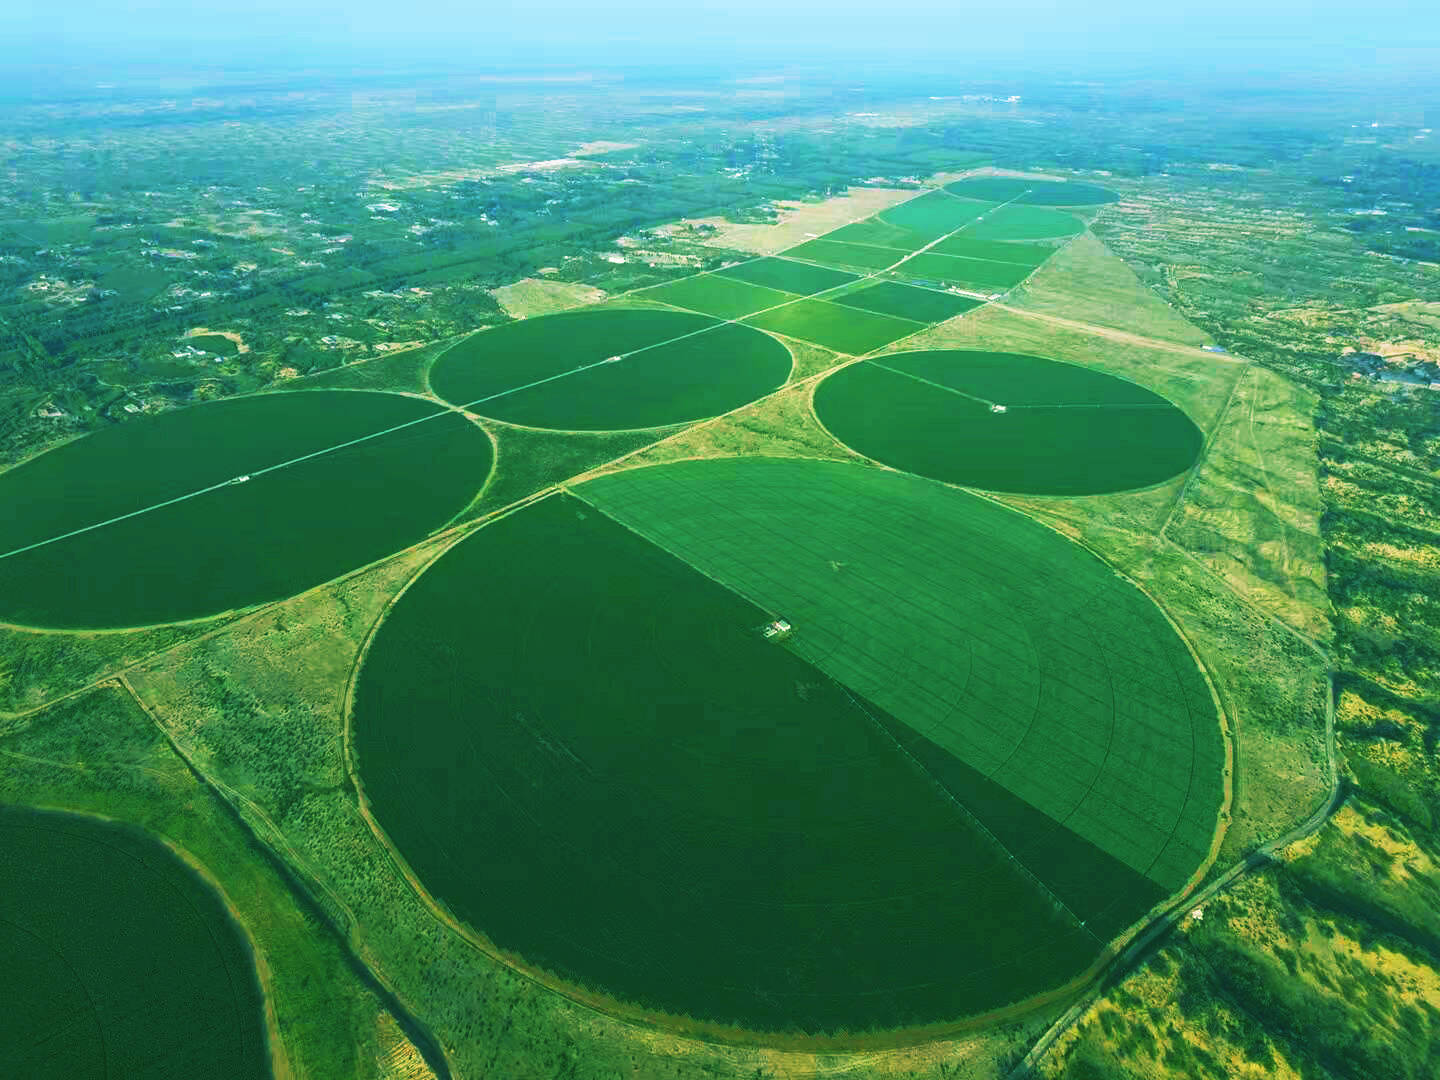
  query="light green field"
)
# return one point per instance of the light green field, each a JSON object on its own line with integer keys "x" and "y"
{"x": 859, "y": 256}
{"x": 983, "y": 273}
{"x": 908, "y": 302}
{"x": 712, "y": 294}
{"x": 998, "y": 640}
{"x": 787, "y": 275}
{"x": 971, "y": 248}
{"x": 845, "y": 329}
{"x": 935, "y": 214}
{"x": 880, "y": 234}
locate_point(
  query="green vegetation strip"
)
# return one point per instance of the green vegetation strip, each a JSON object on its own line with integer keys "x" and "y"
{"x": 908, "y": 302}
{"x": 591, "y": 753}
{"x": 157, "y": 526}
{"x": 1064, "y": 429}
{"x": 1032, "y": 192}
{"x": 561, "y": 371}
{"x": 788, "y": 275}
{"x": 999, "y": 641}
{"x": 119, "y": 960}
{"x": 711, "y": 294}
{"x": 845, "y": 329}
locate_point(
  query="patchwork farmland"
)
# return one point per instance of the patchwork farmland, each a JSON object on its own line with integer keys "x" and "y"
{"x": 801, "y": 748}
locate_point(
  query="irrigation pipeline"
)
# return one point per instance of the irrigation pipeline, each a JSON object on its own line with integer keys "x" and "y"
{"x": 469, "y": 404}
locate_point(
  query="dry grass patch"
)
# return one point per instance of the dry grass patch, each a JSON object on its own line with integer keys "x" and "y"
{"x": 536, "y": 296}
{"x": 801, "y": 221}
{"x": 1087, "y": 282}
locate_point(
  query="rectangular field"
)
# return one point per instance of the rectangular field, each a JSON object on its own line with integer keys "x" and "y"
{"x": 1016, "y": 222}
{"x": 845, "y": 329}
{"x": 877, "y": 233}
{"x": 860, "y": 256}
{"x": 908, "y": 302}
{"x": 957, "y": 270}
{"x": 996, "y": 250}
{"x": 787, "y": 275}
{"x": 711, "y": 294}
{"x": 935, "y": 214}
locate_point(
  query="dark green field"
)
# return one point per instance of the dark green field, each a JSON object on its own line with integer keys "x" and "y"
{"x": 675, "y": 366}
{"x": 1032, "y": 192}
{"x": 587, "y": 750}
{"x": 934, "y": 215}
{"x": 713, "y": 294}
{"x": 788, "y": 276}
{"x": 1017, "y": 222}
{"x": 859, "y": 256}
{"x": 845, "y": 329}
{"x": 908, "y": 302}
{"x": 981, "y": 273}
{"x": 1067, "y": 430}
{"x": 998, "y": 640}
{"x": 119, "y": 960}
{"x": 273, "y": 536}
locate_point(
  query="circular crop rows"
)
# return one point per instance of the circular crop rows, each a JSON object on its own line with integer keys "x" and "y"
{"x": 1007, "y": 422}
{"x": 1032, "y": 192}
{"x": 610, "y": 369}
{"x": 220, "y": 506}
{"x": 974, "y": 757}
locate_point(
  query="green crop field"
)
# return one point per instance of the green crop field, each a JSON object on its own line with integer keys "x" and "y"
{"x": 589, "y": 752}
{"x": 967, "y": 246}
{"x": 1001, "y": 642}
{"x": 908, "y": 302}
{"x": 979, "y": 272}
{"x": 712, "y": 294}
{"x": 215, "y": 343}
{"x": 788, "y": 276}
{"x": 845, "y": 329}
{"x": 120, "y": 961}
{"x": 240, "y": 543}
{"x": 674, "y": 366}
{"x": 1066, "y": 430}
{"x": 876, "y": 232}
{"x": 1016, "y": 222}
{"x": 860, "y": 256}
{"x": 1032, "y": 192}
{"x": 935, "y": 214}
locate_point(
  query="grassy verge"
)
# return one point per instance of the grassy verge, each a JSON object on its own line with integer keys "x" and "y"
{"x": 99, "y": 754}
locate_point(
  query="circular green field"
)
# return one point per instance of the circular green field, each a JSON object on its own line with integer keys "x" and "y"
{"x": 119, "y": 961}
{"x": 1008, "y": 422}
{"x": 977, "y": 756}
{"x": 150, "y": 522}
{"x": 1032, "y": 192}
{"x": 611, "y": 369}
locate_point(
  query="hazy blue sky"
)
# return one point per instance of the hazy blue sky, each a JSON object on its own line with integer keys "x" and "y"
{"x": 636, "y": 29}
